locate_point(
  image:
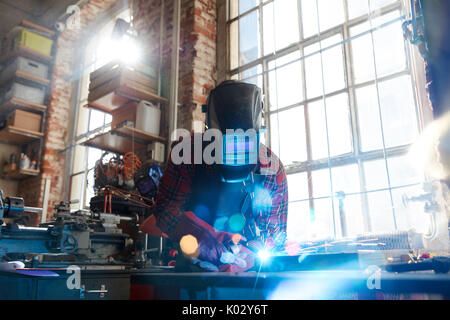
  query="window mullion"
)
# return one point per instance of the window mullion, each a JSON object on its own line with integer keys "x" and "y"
{"x": 354, "y": 119}
{"x": 306, "y": 107}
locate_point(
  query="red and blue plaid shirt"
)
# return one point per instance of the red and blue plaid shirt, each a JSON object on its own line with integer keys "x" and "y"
{"x": 175, "y": 190}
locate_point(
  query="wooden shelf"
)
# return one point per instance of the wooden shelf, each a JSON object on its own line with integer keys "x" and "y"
{"x": 27, "y": 53}
{"x": 15, "y": 103}
{"x": 121, "y": 96}
{"x": 18, "y": 136}
{"x": 31, "y": 25}
{"x": 29, "y": 77}
{"x": 21, "y": 174}
{"x": 123, "y": 140}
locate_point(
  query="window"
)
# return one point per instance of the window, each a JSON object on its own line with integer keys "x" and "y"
{"x": 90, "y": 122}
{"x": 340, "y": 109}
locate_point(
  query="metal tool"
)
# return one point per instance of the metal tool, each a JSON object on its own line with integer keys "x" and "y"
{"x": 87, "y": 237}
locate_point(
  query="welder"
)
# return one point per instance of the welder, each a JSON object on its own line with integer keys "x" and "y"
{"x": 221, "y": 214}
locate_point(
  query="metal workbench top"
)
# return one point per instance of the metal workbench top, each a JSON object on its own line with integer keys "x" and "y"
{"x": 267, "y": 284}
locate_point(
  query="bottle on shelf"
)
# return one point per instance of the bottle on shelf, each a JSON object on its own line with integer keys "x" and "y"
{"x": 24, "y": 161}
{"x": 13, "y": 162}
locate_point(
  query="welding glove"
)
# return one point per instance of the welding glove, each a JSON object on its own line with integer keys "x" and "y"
{"x": 210, "y": 248}
{"x": 149, "y": 226}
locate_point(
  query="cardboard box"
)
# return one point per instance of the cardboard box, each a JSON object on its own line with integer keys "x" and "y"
{"x": 112, "y": 85}
{"x": 126, "y": 113}
{"x": 25, "y": 120}
{"x": 24, "y": 92}
{"x": 34, "y": 42}
{"x": 25, "y": 65}
{"x": 147, "y": 82}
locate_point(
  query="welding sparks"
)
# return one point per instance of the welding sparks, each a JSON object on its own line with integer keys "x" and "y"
{"x": 264, "y": 255}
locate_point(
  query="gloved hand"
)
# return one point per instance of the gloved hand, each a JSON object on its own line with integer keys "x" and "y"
{"x": 149, "y": 226}
{"x": 207, "y": 246}
{"x": 241, "y": 259}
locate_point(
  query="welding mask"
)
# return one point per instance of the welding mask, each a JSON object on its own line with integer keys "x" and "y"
{"x": 235, "y": 109}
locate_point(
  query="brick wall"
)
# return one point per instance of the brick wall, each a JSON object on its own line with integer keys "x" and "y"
{"x": 197, "y": 49}
{"x": 196, "y": 77}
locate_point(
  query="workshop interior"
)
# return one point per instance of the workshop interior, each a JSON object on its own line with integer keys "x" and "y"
{"x": 341, "y": 190}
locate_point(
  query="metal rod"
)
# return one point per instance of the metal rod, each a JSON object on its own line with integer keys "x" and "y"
{"x": 32, "y": 210}
{"x": 174, "y": 70}
{"x": 45, "y": 200}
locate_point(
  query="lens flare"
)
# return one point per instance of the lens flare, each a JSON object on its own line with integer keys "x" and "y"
{"x": 236, "y": 238}
{"x": 189, "y": 245}
{"x": 236, "y": 223}
{"x": 220, "y": 223}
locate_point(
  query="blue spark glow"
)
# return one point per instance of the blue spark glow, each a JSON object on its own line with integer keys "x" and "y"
{"x": 262, "y": 200}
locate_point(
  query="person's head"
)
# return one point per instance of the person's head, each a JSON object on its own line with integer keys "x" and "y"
{"x": 235, "y": 109}
{"x": 234, "y": 105}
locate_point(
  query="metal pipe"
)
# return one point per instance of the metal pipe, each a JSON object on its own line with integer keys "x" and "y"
{"x": 45, "y": 200}
{"x": 413, "y": 19}
{"x": 69, "y": 156}
{"x": 107, "y": 215}
{"x": 32, "y": 210}
{"x": 174, "y": 70}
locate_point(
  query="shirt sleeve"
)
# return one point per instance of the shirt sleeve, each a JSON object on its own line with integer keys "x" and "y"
{"x": 173, "y": 193}
{"x": 275, "y": 224}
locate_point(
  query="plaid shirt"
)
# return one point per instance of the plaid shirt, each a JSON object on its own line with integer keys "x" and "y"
{"x": 175, "y": 190}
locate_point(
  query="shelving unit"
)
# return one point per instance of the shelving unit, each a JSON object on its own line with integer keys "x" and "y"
{"x": 122, "y": 140}
{"x": 117, "y": 92}
{"x": 18, "y": 136}
{"x": 115, "y": 86}
{"x": 15, "y": 103}
{"x": 26, "y": 139}
{"x": 27, "y": 77}
{"x": 122, "y": 96}
{"x": 21, "y": 174}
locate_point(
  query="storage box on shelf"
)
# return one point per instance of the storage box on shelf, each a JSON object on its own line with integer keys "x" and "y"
{"x": 25, "y": 68}
{"x": 116, "y": 84}
{"x": 123, "y": 114}
{"x": 24, "y": 120}
{"x": 144, "y": 115}
{"x": 28, "y": 36}
{"x": 30, "y": 93}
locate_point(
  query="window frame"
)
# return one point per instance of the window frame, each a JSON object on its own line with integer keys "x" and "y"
{"x": 357, "y": 156}
{"x": 89, "y": 59}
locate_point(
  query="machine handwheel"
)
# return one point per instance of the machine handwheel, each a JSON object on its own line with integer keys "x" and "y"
{"x": 68, "y": 243}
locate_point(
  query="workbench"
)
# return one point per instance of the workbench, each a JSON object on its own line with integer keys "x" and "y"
{"x": 303, "y": 285}
{"x": 157, "y": 284}
{"x": 100, "y": 284}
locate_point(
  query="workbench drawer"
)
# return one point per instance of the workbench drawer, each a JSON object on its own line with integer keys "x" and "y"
{"x": 94, "y": 285}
